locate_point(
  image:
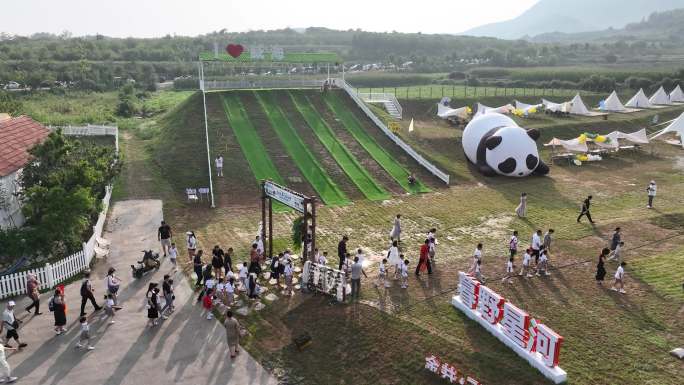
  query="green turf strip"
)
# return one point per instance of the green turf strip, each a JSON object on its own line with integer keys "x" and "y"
{"x": 386, "y": 161}
{"x": 249, "y": 140}
{"x": 357, "y": 173}
{"x": 307, "y": 163}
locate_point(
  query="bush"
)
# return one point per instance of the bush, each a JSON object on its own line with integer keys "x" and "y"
{"x": 9, "y": 104}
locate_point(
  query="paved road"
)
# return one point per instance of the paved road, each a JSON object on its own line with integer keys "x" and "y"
{"x": 187, "y": 348}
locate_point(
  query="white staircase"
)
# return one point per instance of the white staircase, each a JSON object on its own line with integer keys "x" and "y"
{"x": 389, "y": 101}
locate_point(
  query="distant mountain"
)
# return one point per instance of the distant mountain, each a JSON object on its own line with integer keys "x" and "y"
{"x": 661, "y": 26}
{"x": 574, "y": 16}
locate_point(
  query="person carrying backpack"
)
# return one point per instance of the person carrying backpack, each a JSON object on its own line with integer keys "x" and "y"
{"x": 87, "y": 294}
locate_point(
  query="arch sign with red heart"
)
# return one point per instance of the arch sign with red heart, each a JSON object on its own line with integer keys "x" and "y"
{"x": 234, "y": 50}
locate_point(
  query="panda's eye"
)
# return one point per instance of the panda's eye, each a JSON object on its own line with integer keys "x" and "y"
{"x": 531, "y": 161}
{"x": 507, "y": 166}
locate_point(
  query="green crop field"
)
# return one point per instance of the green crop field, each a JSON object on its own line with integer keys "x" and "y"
{"x": 370, "y": 188}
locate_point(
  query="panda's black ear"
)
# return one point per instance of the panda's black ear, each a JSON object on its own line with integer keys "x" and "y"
{"x": 492, "y": 142}
{"x": 533, "y": 133}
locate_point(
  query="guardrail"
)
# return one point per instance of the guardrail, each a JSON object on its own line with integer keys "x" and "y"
{"x": 52, "y": 274}
{"x": 444, "y": 177}
{"x": 257, "y": 84}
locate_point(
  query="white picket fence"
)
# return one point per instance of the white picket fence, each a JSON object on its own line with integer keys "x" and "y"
{"x": 90, "y": 130}
{"x": 408, "y": 149}
{"x": 53, "y": 274}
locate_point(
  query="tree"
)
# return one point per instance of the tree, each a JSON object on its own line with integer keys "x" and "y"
{"x": 9, "y": 104}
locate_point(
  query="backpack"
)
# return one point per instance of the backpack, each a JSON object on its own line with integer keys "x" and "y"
{"x": 51, "y": 304}
{"x": 84, "y": 288}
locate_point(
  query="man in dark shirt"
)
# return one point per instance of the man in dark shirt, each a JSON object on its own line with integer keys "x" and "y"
{"x": 217, "y": 261}
{"x": 198, "y": 266}
{"x": 342, "y": 250}
{"x": 164, "y": 234}
{"x": 585, "y": 210}
{"x": 228, "y": 260}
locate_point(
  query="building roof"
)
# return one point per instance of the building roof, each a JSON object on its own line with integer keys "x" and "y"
{"x": 17, "y": 136}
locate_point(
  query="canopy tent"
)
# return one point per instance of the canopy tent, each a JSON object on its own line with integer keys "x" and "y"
{"x": 660, "y": 97}
{"x": 677, "y": 95}
{"x": 577, "y": 106}
{"x": 526, "y": 107}
{"x": 446, "y": 112}
{"x": 677, "y": 127}
{"x": 573, "y": 145}
{"x": 482, "y": 109}
{"x": 640, "y": 100}
{"x": 612, "y": 103}
{"x": 638, "y": 137}
{"x": 556, "y": 107}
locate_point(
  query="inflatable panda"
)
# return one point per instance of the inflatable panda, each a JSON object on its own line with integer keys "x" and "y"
{"x": 497, "y": 145}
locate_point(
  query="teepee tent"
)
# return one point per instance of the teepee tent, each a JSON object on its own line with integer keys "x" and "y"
{"x": 577, "y": 106}
{"x": 677, "y": 95}
{"x": 526, "y": 107}
{"x": 677, "y": 126}
{"x": 660, "y": 97}
{"x": 638, "y": 137}
{"x": 482, "y": 109}
{"x": 613, "y": 103}
{"x": 445, "y": 112}
{"x": 639, "y": 100}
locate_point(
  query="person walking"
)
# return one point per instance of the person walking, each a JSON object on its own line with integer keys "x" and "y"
{"x": 59, "y": 311}
{"x": 87, "y": 291}
{"x": 585, "y": 210}
{"x": 230, "y": 291}
{"x": 477, "y": 256}
{"x": 600, "y": 268}
{"x": 242, "y": 275}
{"x": 342, "y": 251}
{"x": 228, "y": 260}
{"x": 521, "y": 210}
{"x": 543, "y": 265}
{"x": 432, "y": 237}
{"x": 478, "y": 272}
{"x": 395, "y": 234}
{"x": 169, "y": 297}
{"x": 84, "y": 337}
{"x": 109, "y": 309}
{"x": 254, "y": 260}
{"x": 527, "y": 258}
{"x": 509, "y": 271}
{"x": 11, "y": 325}
{"x": 619, "y": 278}
{"x": 513, "y": 244}
{"x": 217, "y": 261}
{"x": 395, "y": 259}
{"x": 191, "y": 242}
{"x": 164, "y": 235}
{"x": 288, "y": 271}
{"x": 617, "y": 253}
{"x": 112, "y": 283}
{"x": 356, "y": 271}
{"x": 536, "y": 245}
{"x": 232, "y": 327}
{"x": 382, "y": 274}
{"x": 173, "y": 256}
{"x": 548, "y": 239}
{"x": 32, "y": 286}
{"x": 615, "y": 239}
{"x": 651, "y": 190}
{"x": 404, "y": 274}
{"x": 5, "y": 371}
{"x": 197, "y": 266}
{"x": 424, "y": 260}
{"x": 218, "y": 162}
{"x": 152, "y": 304}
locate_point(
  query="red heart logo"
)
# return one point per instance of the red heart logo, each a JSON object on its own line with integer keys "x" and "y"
{"x": 234, "y": 50}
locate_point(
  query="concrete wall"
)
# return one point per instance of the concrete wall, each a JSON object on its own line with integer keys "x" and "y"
{"x": 12, "y": 216}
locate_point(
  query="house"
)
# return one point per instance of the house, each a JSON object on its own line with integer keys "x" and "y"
{"x": 17, "y": 136}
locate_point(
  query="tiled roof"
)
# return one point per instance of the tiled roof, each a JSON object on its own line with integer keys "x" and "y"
{"x": 17, "y": 136}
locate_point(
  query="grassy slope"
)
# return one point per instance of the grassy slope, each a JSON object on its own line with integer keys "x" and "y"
{"x": 396, "y": 170}
{"x": 307, "y": 163}
{"x": 370, "y": 188}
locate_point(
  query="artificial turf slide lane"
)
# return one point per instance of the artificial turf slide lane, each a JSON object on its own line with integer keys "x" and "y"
{"x": 385, "y": 160}
{"x": 327, "y": 190}
{"x": 250, "y": 143}
{"x": 356, "y": 172}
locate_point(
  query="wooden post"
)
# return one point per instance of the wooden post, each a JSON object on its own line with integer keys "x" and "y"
{"x": 270, "y": 227}
{"x": 313, "y": 229}
{"x": 263, "y": 216}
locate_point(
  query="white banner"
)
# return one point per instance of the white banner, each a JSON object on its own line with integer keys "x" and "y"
{"x": 284, "y": 196}
{"x": 324, "y": 279}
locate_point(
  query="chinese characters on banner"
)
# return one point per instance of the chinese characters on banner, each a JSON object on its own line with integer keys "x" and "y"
{"x": 325, "y": 280}
{"x": 448, "y": 371}
{"x": 256, "y": 52}
{"x": 532, "y": 340}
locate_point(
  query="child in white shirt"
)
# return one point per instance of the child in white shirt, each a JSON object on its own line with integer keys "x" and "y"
{"x": 525, "y": 270}
{"x": 509, "y": 271}
{"x": 382, "y": 274}
{"x": 323, "y": 258}
{"x": 404, "y": 274}
{"x": 242, "y": 274}
{"x": 288, "y": 278}
{"x": 619, "y": 278}
{"x": 173, "y": 254}
{"x": 616, "y": 254}
{"x": 543, "y": 265}
{"x": 477, "y": 256}
{"x": 84, "y": 338}
{"x": 230, "y": 291}
{"x": 478, "y": 272}
{"x": 108, "y": 308}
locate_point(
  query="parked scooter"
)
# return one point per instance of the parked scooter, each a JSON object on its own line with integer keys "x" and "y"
{"x": 149, "y": 262}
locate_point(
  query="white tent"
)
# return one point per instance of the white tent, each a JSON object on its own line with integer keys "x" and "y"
{"x": 638, "y": 137}
{"x": 613, "y": 103}
{"x": 526, "y": 107}
{"x": 556, "y": 107}
{"x": 640, "y": 100}
{"x": 677, "y": 95}
{"x": 677, "y": 126}
{"x": 577, "y": 106}
{"x": 570, "y": 145}
{"x": 660, "y": 97}
{"x": 445, "y": 112}
{"x": 482, "y": 109}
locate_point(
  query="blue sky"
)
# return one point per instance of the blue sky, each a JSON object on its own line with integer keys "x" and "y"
{"x": 150, "y": 18}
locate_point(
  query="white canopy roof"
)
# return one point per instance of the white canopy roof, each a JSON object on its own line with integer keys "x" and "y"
{"x": 526, "y": 107}
{"x": 556, "y": 107}
{"x": 660, "y": 97}
{"x": 613, "y": 103}
{"x": 639, "y": 137}
{"x": 677, "y": 126}
{"x": 577, "y": 106}
{"x": 446, "y": 111}
{"x": 677, "y": 95}
{"x": 570, "y": 145}
{"x": 482, "y": 109}
{"x": 639, "y": 100}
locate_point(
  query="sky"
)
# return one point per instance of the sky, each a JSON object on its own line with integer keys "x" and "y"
{"x": 154, "y": 18}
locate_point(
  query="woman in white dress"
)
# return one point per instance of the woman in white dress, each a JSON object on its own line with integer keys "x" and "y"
{"x": 395, "y": 258}
{"x": 395, "y": 234}
{"x": 521, "y": 210}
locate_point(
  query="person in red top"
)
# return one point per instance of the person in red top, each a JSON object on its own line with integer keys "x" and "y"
{"x": 424, "y": 261}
